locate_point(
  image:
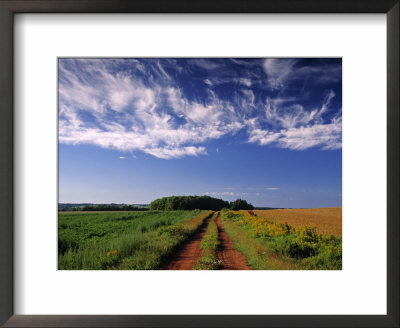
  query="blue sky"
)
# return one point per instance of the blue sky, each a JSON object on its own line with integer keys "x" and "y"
{"x": 265, "y": 130}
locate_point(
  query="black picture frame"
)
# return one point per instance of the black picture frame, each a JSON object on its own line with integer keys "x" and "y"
{"x": 7, "y": 10}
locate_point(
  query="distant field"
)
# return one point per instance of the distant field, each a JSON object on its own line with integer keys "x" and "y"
{"x": 328, "y": 221}
{"x": 88, "y": 212}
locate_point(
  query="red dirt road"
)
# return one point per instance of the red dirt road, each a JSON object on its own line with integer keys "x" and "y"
{"x": 186, "y": 256}
{"x": 231, "y": 258}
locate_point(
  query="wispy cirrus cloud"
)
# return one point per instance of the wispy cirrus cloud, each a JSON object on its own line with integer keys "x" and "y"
{"x": 295, "y": 128}
{"x": 282, "y": 71}
{"x": 224, "y": 193}
{"x": 155, "y": 106}
{"x": 326, "y": 136}
{"x": 278, "y": 71}
{"x": 167, "y": 153}
{"x": 117, "y": 110}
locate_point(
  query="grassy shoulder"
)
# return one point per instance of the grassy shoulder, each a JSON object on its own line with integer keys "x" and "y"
{"x": 135, "y": 241}
{"x": 209, "y": 245}
{"x": 270, "y": 245}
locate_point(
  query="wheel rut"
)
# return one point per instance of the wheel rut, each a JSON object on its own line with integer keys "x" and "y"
{"x": 187, "y": 254}
{"x": 230, "y": 257}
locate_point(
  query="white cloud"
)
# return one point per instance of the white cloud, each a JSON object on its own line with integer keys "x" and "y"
{"x": 325, "y": 105}
{"x": 102, "y": 105}
{"x": 271, "y": 188}
{"x": 278, "y": 70}
{"x": 326, "y": 136}
{"x": 163, "y": 72}
{"x": 166, "y": 153}
{"x": 122, "y": 157}
{"x": 263, "y": 137}
{"x": 206, "y": 64}
{"x": 224, "y": 193}
{"x": 295, "y": 115}
{"x": 249, "y": 98}
{"x": 139, "y": 121}
{"x": 295, "y": 128}
{"x": 245, "y": 81}
{"x": 287, "y": 116}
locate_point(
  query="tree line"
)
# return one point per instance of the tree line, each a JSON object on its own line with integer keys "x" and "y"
{"x": 173, "y": 203}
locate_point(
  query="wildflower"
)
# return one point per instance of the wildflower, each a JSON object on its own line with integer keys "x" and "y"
{"x": 108, "y": 254}
{"x": 115, "y": 252}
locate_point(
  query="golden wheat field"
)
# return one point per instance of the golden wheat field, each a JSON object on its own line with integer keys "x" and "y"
{"x": 328, "y": 221}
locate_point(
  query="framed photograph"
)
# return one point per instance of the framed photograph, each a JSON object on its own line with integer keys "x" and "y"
{"x": 207, "y": 158}
{"x": 209, "y": 164}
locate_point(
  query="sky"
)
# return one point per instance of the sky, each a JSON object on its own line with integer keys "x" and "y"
{"x": 267, "y": 130}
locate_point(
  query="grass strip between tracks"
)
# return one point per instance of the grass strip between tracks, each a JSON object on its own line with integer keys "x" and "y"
{"x": 209, "y": 246}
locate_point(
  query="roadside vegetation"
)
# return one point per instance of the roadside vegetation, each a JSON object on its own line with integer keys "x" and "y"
{"x": 130, "y": 240}
{"x": 327, "y": 221}
{"x": 273, "y": 245}
{"x": 209, "y": 245}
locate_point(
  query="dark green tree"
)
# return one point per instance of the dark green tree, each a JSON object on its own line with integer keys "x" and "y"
{"x": 241, "y": 204}
{"x": 188, "y": 203}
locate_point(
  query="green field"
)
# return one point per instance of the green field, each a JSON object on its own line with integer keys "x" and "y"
{"x": 122, "y": 240}
{"x": 148, "y": 241}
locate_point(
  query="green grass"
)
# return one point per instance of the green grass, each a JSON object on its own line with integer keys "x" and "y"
{"x": 275, "y": 246}
{"x": 209, "y": 245}
{"x": 129, "y": 240}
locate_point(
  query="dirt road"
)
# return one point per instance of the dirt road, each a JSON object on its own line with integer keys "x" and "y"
{"x": 186, "y": 256}
{"x": 231, "y": 258}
